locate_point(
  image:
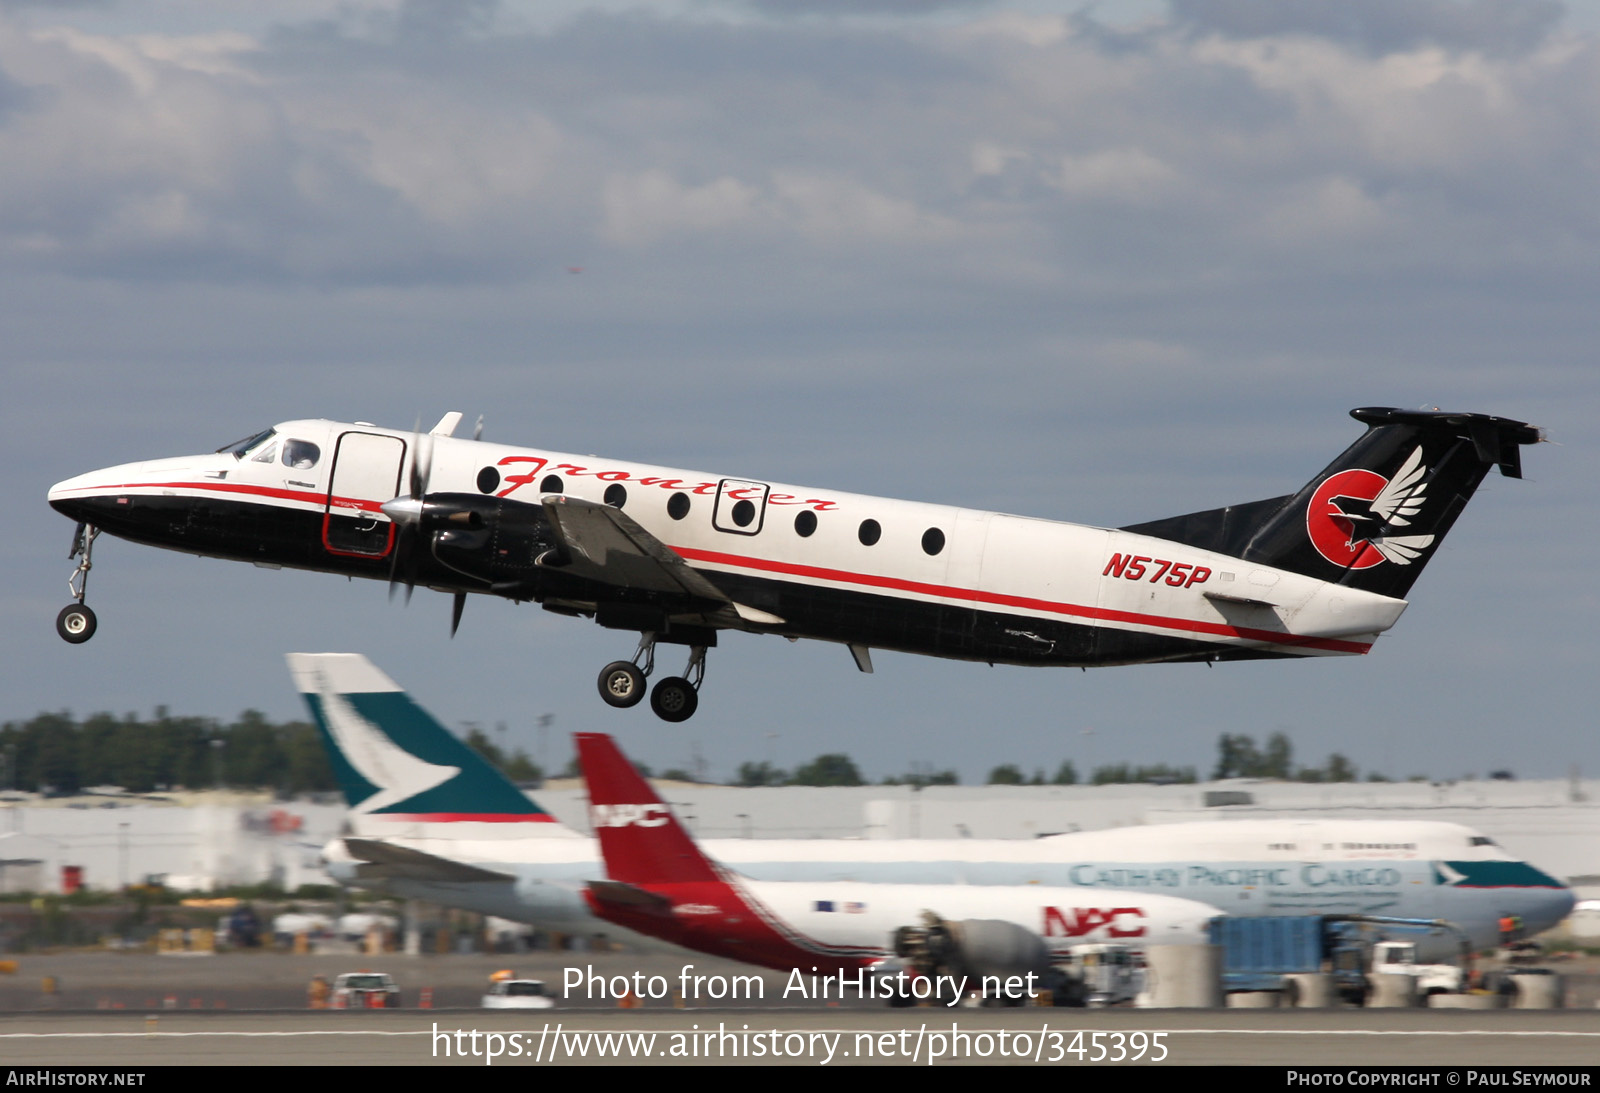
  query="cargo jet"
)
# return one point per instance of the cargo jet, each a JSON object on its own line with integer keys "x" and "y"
{"x": 660, "y": 884}
{"x": 679, "y": 556}
{"x": 431, "y": 820}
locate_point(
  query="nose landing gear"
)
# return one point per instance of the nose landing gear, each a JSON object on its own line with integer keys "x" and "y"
{"x": 622, "y": 682}
{"x": 76, "y": 623}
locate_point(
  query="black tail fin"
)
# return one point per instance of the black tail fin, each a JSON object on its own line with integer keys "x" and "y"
{"x": 1374, "y": 516}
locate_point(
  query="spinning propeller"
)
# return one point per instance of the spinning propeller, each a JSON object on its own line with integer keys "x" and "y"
{"x": 416, "y": 522}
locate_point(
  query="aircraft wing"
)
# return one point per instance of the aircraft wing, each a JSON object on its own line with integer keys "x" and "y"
{"x": 601, "y": 543}
{"x": 385, "y": 860}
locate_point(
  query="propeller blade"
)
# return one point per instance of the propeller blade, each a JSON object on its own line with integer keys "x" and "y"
{"x": 477, "y": 430}
{"x": 421, "y": 463}
{"x": 456, "y": 608}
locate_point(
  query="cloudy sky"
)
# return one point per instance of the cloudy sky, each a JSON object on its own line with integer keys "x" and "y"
{"x": 1100, "y": 263}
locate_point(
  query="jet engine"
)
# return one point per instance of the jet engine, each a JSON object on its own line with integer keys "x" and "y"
{"x": 971, "y": 948}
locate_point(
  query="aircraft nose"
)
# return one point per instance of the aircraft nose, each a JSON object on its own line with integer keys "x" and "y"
{"x": 81, "y": 498}
{"x": 102, "y": 497}
{"x": 1556, "y": 906}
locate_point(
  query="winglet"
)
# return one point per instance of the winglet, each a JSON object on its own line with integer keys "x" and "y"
{"x": 640, "y": 839}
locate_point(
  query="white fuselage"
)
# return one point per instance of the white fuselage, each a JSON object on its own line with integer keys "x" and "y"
{"x": 872, "y": 571}
{"x": 1410, "y": 869}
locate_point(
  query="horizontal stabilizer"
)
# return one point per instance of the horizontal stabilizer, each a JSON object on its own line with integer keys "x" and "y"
{"x": 614, "y": 893}
{"x": 404, "y": 862}
{"x": 1243, "y": 601}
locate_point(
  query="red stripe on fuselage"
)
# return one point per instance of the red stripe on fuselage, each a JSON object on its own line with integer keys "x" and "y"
{"x": 466, "y": 817}
{"x": 317, "y": 498}
{"x": 1002, "y": 599}
{"x": 868, "y": 580}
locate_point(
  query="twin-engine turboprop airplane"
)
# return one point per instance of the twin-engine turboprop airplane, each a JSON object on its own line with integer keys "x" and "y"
{"x": 680, "y": 556}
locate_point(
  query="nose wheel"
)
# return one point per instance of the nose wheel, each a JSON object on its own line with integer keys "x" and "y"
{"x": 76, "y": 623}
{"x": 622, "y": 682}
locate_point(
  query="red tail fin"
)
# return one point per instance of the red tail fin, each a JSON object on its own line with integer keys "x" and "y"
{"x": 640, "y": 839}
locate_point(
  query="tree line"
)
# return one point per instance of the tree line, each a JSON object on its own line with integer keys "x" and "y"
{"x": 54, "y": 753}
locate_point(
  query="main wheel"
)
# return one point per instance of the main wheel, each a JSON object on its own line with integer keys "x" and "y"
{"x": 76, "y": 623}
{"x": 674, "y": 699}
{"x": 621, "y": 684}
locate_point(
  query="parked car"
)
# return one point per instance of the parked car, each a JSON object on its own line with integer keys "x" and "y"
{"x": 518, "y": 994}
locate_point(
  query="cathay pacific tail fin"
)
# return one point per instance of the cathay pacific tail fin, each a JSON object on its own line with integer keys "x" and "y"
{"x": 398, "y": 767}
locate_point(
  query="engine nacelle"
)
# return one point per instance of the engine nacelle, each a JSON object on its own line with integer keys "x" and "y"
{"x": 974, "y": 948}
{"x": 492, "y": 539}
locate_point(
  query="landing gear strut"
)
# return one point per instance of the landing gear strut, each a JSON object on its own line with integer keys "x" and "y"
{"x": 77, "y": 623}
{"x": 622, "y": 682}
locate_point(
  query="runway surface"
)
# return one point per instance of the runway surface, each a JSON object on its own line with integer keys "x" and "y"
{"x": 168, "y": 1013}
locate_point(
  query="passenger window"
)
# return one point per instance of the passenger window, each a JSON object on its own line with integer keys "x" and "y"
{"x": 301, "y": 455}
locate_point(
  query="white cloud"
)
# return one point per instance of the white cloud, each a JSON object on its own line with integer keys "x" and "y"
{"x": 1129, "y": 175}
{"x": 642, "y": 208}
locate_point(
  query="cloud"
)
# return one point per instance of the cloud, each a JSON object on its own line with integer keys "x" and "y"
{"x": 1010, "y": 260}
{"x": 1376, "y": 27}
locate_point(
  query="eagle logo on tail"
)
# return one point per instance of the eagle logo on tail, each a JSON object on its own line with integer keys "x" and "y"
{"x": 1353, "y": 513}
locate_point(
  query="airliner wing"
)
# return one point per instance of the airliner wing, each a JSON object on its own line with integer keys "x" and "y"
{"x": 602, "y": 543}
{"x": 382, "y": 860}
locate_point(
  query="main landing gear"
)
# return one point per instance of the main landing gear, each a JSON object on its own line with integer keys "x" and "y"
{"x": 77, "y": 623}
{"x": 622, "y": 682}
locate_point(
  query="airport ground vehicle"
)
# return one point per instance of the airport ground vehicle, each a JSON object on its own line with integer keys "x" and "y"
{"x": 1400, "y": 958}
{"x": 1259, "y": 954}
{"x": 1101, "y": 974}
{"x": 365, "y": 990}
{"x": 518, "y": 994}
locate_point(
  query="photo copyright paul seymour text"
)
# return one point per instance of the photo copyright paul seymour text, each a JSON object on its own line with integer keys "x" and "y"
{"x": 1454, "y": 1077}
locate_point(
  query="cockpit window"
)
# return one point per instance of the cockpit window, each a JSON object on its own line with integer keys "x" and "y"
{"x": 302, "y": 455}
{"x": 266, "y": 454}
{"x": 239, "y": 447}
{"x": 1482, "y": 840}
